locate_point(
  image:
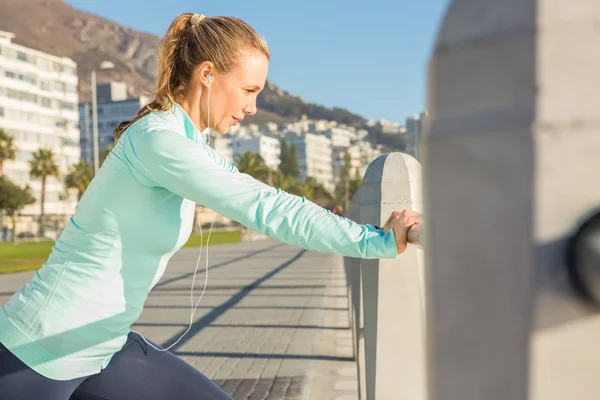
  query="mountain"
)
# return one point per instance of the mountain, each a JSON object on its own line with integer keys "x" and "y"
{"x": 54, "y": 27}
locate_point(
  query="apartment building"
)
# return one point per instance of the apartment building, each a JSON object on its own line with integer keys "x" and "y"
{"x": 113, "y": 107}
{"x": 338, "y": 153}
{"x": 268, "y": 147}
{"x": 38, "y": 107}
{"x": 314, "y": 157}
{"x": 414, "y": 129}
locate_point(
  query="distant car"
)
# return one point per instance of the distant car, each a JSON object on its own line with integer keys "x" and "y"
{"x": 25, "y": 235}
{"x": 217, "y": 224}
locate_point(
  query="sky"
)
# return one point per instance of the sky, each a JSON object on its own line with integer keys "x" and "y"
{"x": 371, "y": 60}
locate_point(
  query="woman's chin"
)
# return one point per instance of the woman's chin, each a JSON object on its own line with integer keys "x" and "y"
{"x": 221, "y": 129}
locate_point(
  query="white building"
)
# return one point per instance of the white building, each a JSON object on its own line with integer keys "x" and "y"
{"x": 368, "y": 153}
{"x": 223, "y": 146}
{"x": 268, "y": 147}
{"x": 414, "y": 127}
{"x": 314, "y": 157}
{"x": 341, "y": 137}
{"x": 38, "y": 107}
{"x": 355, "y": 161}
{"x": 114, "y": 106}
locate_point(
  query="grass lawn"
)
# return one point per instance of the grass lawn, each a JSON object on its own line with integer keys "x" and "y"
{"x": 31, "y": 255}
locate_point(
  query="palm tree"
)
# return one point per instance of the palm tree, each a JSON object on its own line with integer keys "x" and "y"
{"x": 43, "y": 165}
{"x": 316, "y": 190}
{"x": 79, "y": 177}
{"x": 307, "y": 190}
{"x": 253, "y": 164}
{"x": 7, "y": 149}
{"x": 285, "y": 182}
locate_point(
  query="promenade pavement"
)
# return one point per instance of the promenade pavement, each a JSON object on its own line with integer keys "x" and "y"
{"x": 272, "y": 324}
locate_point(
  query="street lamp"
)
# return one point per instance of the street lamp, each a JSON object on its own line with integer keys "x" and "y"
{"x": 103, "y": 65}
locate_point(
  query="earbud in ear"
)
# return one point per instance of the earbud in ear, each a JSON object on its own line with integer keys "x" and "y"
{"x": 209, "y": 77}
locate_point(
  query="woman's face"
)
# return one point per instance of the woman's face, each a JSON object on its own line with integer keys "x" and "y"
{"x": 233, "y": 95}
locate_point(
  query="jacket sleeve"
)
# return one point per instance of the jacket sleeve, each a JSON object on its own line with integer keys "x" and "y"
{"x": 169, "y": 160}
{"x": 222, "y": 162}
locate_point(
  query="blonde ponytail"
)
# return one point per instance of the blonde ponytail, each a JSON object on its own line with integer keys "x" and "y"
{"x": 191, "y": 40}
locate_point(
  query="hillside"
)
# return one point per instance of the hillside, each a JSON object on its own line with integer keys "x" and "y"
{"x": 54, "y": 27}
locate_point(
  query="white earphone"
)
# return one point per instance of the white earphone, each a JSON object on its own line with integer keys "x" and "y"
{"x": 193, "y": 309}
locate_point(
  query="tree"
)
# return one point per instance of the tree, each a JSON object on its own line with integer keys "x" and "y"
{"x": 253, "y": 164}
{"x": 13, "y": 199}
{"x": 285, "y": 182}
{"x": 315, "y": 192}
{"x": 343, "y": 180}
{"x": 307, "y": 190}
{"x": 8, "y": 150}
{"x": 79, "y": 177}
{"x": 354, "y": 184}
{"x": 43, "y": 166}
{"x": 289, "y": 160}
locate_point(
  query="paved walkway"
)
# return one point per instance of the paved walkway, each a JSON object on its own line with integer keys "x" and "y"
{"x": 273, "y": 322}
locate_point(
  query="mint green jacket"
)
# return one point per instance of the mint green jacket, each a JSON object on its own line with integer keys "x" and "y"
{"x": 76, "y": 312}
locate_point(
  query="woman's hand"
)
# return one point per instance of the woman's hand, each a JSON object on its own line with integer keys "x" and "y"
{"x": 406, "y": 225}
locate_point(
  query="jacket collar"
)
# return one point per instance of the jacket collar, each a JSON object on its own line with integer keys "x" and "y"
{"x": 191, "y": 131}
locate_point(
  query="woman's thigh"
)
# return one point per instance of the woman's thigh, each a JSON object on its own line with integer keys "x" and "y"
{"x": 19, "y": 382}
{"x": 139, "y": 371}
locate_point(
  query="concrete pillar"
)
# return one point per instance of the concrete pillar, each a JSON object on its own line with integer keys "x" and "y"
{"x": 510, "y": 164}
{"x": 392, "y": 299}
{"x": 352, "y": 267}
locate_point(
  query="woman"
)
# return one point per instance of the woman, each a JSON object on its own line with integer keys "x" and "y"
{"x": 67, "y": 331}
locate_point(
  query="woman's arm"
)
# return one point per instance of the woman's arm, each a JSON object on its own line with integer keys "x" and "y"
{"x": 170, "y": 160}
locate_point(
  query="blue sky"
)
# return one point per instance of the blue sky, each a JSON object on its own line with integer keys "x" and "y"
{"x": 370, "y": 60}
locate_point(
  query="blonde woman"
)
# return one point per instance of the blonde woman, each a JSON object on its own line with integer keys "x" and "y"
{"x": 66, "y": 333}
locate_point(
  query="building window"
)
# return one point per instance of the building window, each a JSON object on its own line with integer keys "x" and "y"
{"x": 60, "y": 86}
{"x": 51, "y": 196}
{"x": 19, "y": 115}
{"x": 45, "y": 64}
{"x": 24, "y": 155}
{"x": 45, "y": 85}
{"x": 70, "y": 143}
{"x": 2, "y": 112}
{"x": 21, "y": 56}
{"x": 19, "y": 95}
{"x": 65, "y": 105}
{"x": 21, "y": 77}
{"x": 46, "y": 102}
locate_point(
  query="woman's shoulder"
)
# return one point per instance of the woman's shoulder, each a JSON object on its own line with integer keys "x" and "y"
{"x": 156, "y": 121}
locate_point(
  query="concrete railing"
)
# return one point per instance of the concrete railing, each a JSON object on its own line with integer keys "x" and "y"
{"x": 386, "y": 296}
{"x": 511, "y": 199}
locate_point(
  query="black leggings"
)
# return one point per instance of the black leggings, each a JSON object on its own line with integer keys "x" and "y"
{"x": 136, "y": 372}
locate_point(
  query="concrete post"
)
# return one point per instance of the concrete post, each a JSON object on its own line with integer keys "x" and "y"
{"x": 392, "y": 299}
{"x": 510, "y": 161}
{"x": 352, "y": 267}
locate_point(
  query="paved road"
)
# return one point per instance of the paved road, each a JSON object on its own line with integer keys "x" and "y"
{"x": 271, "y": 325}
